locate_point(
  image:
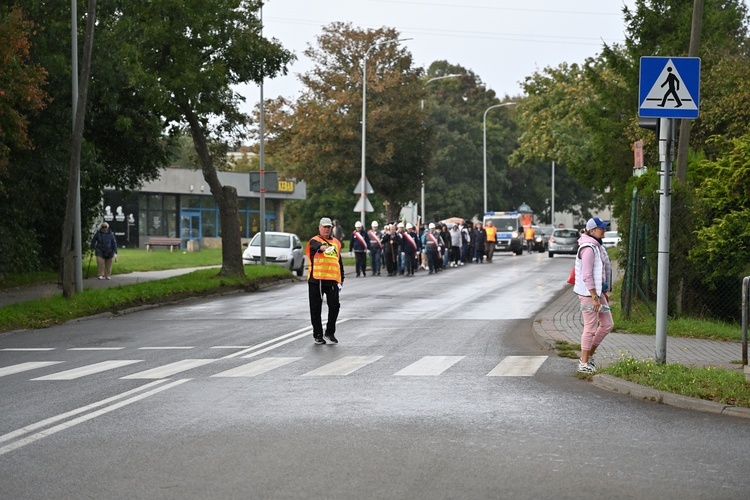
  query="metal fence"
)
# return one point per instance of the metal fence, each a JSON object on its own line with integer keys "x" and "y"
{"x": 691, "y": 293}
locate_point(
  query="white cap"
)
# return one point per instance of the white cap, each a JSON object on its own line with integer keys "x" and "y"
{"x": 374, "y": 223}
{"x": 432, "y": 225}
{"x": 408, "y": 225}
{"x": 400, "y": 224}
{"x": 357, "y": 224}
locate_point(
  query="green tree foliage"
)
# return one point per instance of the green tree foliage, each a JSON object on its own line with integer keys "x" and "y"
{"x": 123, "y": 140}
{"x": 723, "y": 247}
{"x": 191, "y": 54}
{"x": 21, "y": 83}
{"x": 319, "y": 136}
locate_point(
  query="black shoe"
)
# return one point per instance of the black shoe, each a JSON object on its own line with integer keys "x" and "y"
{"x": 319, "y": 340}
{"x": 331, "y": 338}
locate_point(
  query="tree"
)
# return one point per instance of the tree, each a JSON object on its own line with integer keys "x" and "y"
{"x": 21, "y": 83}
{"x": 319, "y": 136}
{"x": 191, "y": 54}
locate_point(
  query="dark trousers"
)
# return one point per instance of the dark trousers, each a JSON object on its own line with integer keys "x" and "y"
{"x": 316, "y": 291}
{"x": 360, "y": 262}
{"x": 409, "y": 263}
{"x": 432, "y": 260}
{"x": 490, "y": 245}
{"x": 376, "y": 259}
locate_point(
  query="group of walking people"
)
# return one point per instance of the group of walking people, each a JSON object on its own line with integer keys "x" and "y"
{"x": 403, "y": 249}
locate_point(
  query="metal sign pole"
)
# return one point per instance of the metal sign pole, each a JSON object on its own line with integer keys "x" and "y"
{"x": 666, "y": 142}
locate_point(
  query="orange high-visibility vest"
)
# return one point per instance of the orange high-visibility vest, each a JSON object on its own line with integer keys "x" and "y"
{"x": 325, "y": 265}
{"x": 491, "y": 233}
{"x": 529, "y": 233}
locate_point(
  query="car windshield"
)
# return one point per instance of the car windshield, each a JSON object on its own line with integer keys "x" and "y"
{"x": 611, "y": 234}
{"x": 546, "y": 230}
{"x": 566, "y": 233}
{"x": 503, "y": 224}
{"x": 272, "y": 240}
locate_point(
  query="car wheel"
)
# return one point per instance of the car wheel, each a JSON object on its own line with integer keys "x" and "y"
{"x": 551, "y": 254}
{"x": 301, "y": 269}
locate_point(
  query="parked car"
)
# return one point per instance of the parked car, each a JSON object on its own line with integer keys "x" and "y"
{"x": 284, "y": 249}
{"x": 611, "y": 239}
{"x": 563, "y": 241}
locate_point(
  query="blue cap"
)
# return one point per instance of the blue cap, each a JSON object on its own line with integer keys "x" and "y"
{"x": 596, "y": 222}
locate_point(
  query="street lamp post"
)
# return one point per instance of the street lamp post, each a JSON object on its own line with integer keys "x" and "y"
{"x": 363, "y": 180}
{"x": 452, "y": 75}
{"x": 485, "y": 147}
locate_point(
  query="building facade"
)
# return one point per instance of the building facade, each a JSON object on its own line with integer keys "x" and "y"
{"x": 179, "y": 204}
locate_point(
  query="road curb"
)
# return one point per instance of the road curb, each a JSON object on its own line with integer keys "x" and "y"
{"x": 614, "y": 384}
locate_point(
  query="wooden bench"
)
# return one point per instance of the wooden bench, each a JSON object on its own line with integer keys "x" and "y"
{"x": 163, "y": 242}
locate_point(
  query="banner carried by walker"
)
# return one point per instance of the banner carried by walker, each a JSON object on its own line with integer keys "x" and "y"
{"x": 669, "y": 87}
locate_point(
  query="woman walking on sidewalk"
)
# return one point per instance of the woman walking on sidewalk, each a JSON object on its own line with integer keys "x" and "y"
{"x": 593, "y": 281}
{"x": 105, "y": 248}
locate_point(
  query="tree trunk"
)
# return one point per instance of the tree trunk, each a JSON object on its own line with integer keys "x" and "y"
{"x": 67, "y": 252}
{"x": 693, "y": 50}
{"x": 225, "y": 196}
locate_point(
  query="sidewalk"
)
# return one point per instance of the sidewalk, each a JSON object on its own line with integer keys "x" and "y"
{"x": 561, "y": 321}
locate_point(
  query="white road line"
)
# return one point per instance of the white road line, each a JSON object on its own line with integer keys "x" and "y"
{"x": 256, "y": 367}
{"x": 297, "y": 334}
{"x": 343, "y": 366}
{"x": 77, "y": 411}
{"x": 430, "y": 366}
{"x": 230, "y": 347}
{"x": 518, "y": 366}
{"x": 170, "y": 369}
{"x": 84, "y": 418}
{"x": 96, "y": 348}
{"x": 27, "y": 349}
{"x": 88, "y": 369}
{"x": 23, "y": 367}
{"x": 166, "y": 348}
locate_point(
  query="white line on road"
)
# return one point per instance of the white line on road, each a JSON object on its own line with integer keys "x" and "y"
{"x": 77, "y": 411}
{"x": 343, "y": 366}
{"x": 84, "y": 418}
{"x": 430, "y": 366}
{"x": 22, "y": 367}
{"x": 88, "y": 369}
{"x": 170, "y": 369}
{"x": 27, "y": 349}
{"x": 166, "y": 348}
{"x": 518, "y": 366}
{"x": 96, "y": 348}
{"x": 256, "y": 367}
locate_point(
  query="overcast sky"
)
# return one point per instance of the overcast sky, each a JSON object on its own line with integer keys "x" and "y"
{"x": 502, "y": 41}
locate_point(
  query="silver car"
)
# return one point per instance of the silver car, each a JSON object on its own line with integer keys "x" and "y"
{"x": 284, "y": 249}
{"x": 563, "y": 241}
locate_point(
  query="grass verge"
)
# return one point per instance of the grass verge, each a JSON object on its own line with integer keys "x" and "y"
{"x": 708, "y": 383}
{"x": 55, "y": 310}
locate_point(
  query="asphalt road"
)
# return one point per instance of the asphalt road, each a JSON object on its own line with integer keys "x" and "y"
{"x": 436, "y": 390}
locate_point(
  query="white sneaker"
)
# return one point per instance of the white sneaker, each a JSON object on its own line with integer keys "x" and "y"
{"x": 101, "y": 277}
{"x": 585, "y": 367}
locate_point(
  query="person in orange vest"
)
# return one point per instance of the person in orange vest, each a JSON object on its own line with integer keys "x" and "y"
{"x": 325, "y": 278}
{"x": 528, "y": 235}
{"x": 491, "y": 234}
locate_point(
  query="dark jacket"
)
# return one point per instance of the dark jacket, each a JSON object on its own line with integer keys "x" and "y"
{"x": 104, "y": 244}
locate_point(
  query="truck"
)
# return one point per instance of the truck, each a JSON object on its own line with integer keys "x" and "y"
{"x": 509, "y": 231}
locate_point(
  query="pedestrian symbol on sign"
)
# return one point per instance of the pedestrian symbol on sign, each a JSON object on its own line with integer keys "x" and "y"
{"x": 673, "y": 83}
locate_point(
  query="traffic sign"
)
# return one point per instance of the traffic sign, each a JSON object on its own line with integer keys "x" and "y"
{"x": 669, "y": 87}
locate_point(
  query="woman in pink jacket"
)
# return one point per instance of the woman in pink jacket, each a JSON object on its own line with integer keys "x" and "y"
{"x": 593, "y": 282}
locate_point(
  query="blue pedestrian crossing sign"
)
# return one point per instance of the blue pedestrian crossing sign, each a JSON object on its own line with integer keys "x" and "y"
{"x": 669, "y": 87}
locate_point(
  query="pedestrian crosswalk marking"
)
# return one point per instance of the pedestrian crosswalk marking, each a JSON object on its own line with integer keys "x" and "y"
{"x": 518, "y": 366}
{"x": 170, "y": 369}
{"x": 96, "y": 348}
{"x": 256, "y": 367}
{"x": 27, "y": 349}
{"x": 22, "y": 367}
{"x": 430, "y": 366}
{"x": 88, "y": 370}
{"x": 511, "y": 366}
{"x": 166, "y": 348}
{"x": 343, "y": 366}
